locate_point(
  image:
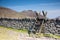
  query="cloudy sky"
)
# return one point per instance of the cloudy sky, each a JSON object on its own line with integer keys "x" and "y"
{"x": 51, "y": 6}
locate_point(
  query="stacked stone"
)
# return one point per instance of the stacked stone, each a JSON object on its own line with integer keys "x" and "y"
{"x": 52, "y": 28}
{"x": 17, "y": 24}
{"x": 58, "y": 27}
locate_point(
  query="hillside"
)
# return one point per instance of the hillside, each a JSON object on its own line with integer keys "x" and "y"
{"x": 13, "y": 34}
{"x": 9, "y": 13}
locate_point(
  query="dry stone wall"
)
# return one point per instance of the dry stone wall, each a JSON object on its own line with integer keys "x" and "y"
{"x": 17, "y": 23}
{"x": 50, "y": 27}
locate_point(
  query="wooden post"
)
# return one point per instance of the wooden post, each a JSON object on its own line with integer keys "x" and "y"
{"x": 42, "y": 25}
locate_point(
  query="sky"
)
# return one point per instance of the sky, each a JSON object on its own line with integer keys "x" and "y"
{"x": 51, "y": 6}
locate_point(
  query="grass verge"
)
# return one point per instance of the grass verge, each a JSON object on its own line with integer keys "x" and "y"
{"x": 22, "y": 30}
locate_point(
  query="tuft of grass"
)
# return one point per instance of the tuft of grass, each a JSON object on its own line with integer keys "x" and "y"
{"x": 46, "y": 35}
{"x": 51, "y": 35}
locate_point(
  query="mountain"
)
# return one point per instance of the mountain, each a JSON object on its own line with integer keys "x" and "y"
{"x": 32, "y": 14}
{"x": 9, "y": 13}
{"x": 29, "y": 13}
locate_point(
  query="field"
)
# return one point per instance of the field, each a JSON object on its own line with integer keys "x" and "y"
{"x": 11, "y": 34}
{"x": 14, "y": 34}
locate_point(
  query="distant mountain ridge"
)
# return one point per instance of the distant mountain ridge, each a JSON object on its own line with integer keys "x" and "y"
{"x": 9, "y": 13}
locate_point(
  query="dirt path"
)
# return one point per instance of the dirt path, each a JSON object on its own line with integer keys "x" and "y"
{"x": 6, "y": 34}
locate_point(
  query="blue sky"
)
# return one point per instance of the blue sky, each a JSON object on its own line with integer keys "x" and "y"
{"x": 51, "y": 6}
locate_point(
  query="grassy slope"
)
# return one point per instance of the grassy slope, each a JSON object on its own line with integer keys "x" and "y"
{"x": 7, "y": 34}
{"x": 16, "y": 30}
{"x": 12, "y": 34}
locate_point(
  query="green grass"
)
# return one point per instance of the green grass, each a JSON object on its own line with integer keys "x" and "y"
{"x": 20, "y": 30}
{"x": 51, "y": 35}
{"x": 47, "y": 35}
{"x": 37, "y": 35}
